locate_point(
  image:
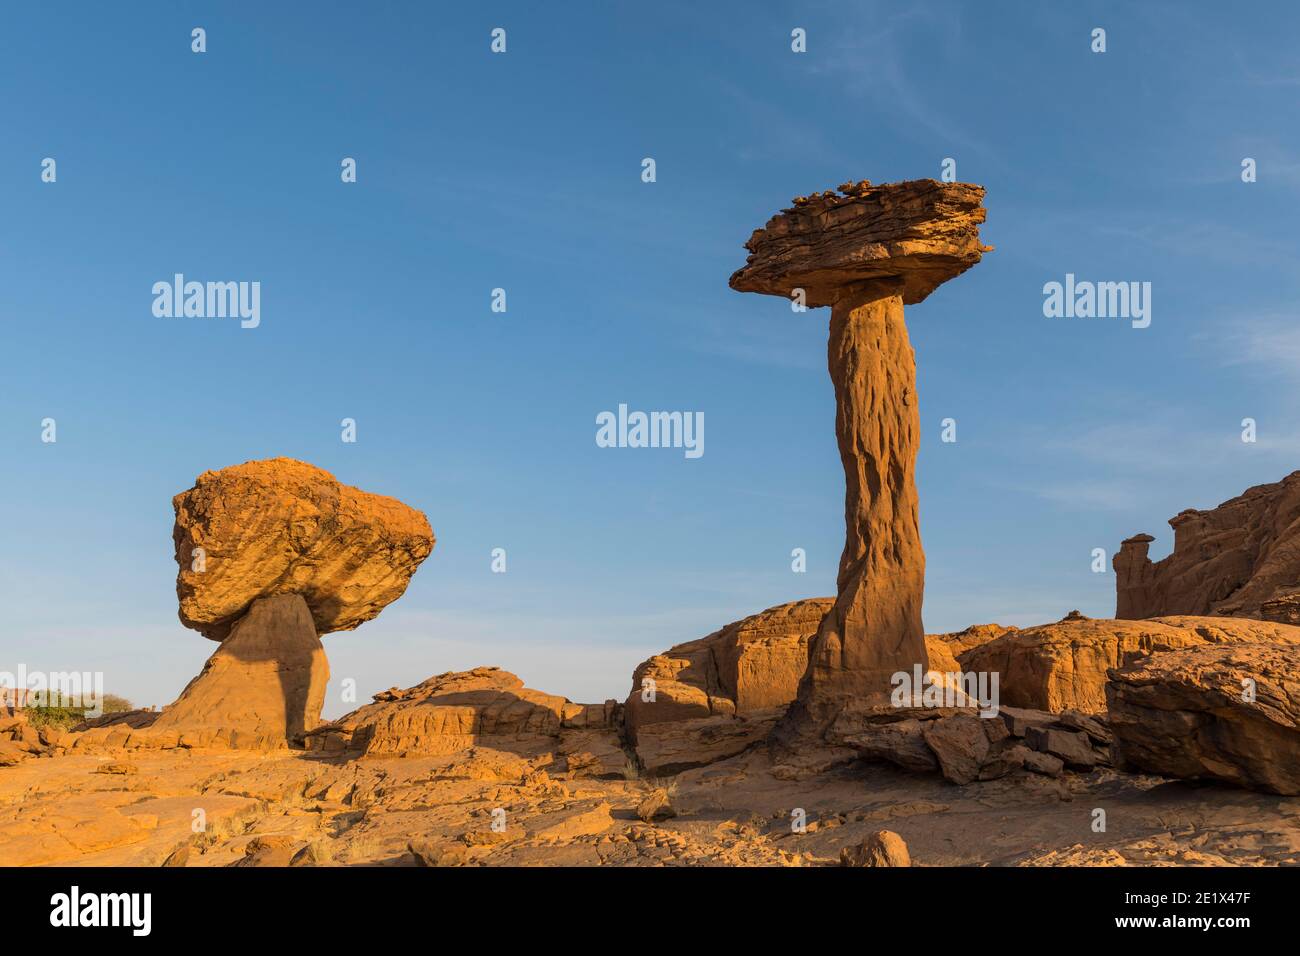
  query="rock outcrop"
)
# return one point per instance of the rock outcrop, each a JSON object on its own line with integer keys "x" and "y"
{"x": 282, "y": 526}
{"x": 1063, "y": 666}
{"x": 484, "y": 707}
{"x": 958, "y": 643}
{"x": 750, "y": 665}
{"x": 1241, "y": 559}
{"x": 19, "y": 740}
{"x": 866, "y": 254}
{"x": 1229, "y": 713}
{"x": 711, "y": 698}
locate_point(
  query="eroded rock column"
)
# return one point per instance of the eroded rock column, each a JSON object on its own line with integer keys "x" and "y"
{"x": 1134, "y": 577}
{"x": 874, "y": 629}
{"x": 866, "y": 251}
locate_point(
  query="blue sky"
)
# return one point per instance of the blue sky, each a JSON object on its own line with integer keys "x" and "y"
{"x": 522, "y": 171}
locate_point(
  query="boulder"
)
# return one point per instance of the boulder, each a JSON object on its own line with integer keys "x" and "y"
{"x": 882, "y": 848}
{"x": 897, "y": 739}
{"x": 657, "y": 805}
{"x": 669, "y": 748}
{"x": 1188, "y": 714}
{"x": 960, "y": 745}
{"x": 11, "y": 754}
{"x": 1063, "y": 666}
{"x": 1071, "y": 746}
{"x": 282, "y": 526}
{"x": 1241, "y": 559}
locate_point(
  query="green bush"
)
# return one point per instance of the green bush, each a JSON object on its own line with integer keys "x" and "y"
{"x": 47, "y": 709}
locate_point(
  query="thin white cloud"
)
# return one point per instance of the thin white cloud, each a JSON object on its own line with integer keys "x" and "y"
{"x": 1270, "y": 342}
{"x": 867, "y": 61}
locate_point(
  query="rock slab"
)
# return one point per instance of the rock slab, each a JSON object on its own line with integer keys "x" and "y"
{"x": 1188, "y": 714}
{"x": 1064, "y": 666}
{"x": 922, "y": 231}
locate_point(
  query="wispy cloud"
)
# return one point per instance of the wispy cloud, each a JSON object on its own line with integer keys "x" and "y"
{"x": 1131, "y": 466}
{"x": 1270, "y": 342}
{"x": 1097, "y": 495}
{"x": 868, "y": 61}
{"x": 1258, "y": 73}
{"x": 1206, "y": 240}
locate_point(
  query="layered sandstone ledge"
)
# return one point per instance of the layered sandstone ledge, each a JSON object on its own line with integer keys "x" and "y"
{"x": 923, "y": 231}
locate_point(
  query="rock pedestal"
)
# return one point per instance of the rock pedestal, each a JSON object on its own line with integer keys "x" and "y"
{"x": 263, "y": 688}
{"x": 1134, "y": 577}
{"x": 874, "y": 628}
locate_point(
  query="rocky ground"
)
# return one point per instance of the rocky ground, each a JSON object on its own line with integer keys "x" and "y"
{"x": 142, "y": 808}
{"x": 474, "y": 768}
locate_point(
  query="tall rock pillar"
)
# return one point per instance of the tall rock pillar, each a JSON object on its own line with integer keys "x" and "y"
{"x": 865, "y": 253}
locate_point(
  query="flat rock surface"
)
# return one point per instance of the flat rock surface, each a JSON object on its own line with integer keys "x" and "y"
{"x": 258, "y": 809}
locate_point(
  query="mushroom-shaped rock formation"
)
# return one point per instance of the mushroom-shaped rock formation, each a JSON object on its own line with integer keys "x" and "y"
{"x": 283, "y": 526}
{"x": 867, "y": 254}
{"x": 273, "y": 554}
